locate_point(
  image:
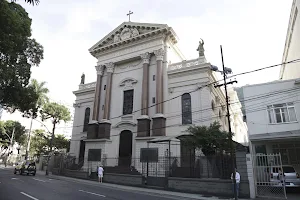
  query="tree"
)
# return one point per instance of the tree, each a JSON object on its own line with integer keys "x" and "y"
{"x": 18, "y": 53}
{"x": 40, "y": 142}
{"x": 6, "y": 128}
{"x": 209, "y": 139}
{"x": 36, "y": 2}
{"x": 56, "y": 112}
{"x": 41, "y": 91}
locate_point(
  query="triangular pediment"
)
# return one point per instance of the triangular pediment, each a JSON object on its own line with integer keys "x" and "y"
{"x": 130, "y": 31}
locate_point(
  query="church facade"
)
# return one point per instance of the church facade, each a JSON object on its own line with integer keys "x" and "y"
{"x": 145, "y": 91}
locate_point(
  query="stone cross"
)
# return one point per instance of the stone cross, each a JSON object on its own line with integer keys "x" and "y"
{"x": 130, "y": 13}
{"x": 201, "y": 48}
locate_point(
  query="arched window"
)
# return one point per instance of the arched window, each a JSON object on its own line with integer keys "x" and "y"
{"x": 186, "y": 106}
{"x": 86, "y": 119}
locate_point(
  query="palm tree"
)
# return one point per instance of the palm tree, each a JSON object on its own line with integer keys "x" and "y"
{"x": 41, "y": 92}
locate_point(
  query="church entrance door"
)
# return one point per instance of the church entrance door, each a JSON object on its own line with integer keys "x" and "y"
{"x": 125, "y": 148}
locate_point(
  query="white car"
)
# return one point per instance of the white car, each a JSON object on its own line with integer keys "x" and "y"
{"x": 290, "y": 179}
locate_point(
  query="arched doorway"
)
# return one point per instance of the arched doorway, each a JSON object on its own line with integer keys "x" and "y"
{"x": 125, "y": 148}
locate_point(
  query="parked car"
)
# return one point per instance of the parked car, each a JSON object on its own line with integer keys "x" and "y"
{"x": 27, "y": 167}
{"x": 290, "y": 177}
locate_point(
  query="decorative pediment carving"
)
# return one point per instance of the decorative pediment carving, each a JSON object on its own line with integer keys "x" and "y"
{"x": 131, "y": 31}
{"x": 128, "y": 83}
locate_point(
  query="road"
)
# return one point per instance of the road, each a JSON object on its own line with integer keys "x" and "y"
{"x": 40, "y": 187}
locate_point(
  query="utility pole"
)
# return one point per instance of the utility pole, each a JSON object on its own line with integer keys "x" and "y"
{"x": 50, "y": 152}
{"x": 225, "y": 72}
{"x": 12, "y": 139}
{"x": 28, "y": 140}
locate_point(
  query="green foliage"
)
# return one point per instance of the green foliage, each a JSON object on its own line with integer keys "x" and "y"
{"x": 36, "y": 2}
{"x": 56, "y": 112}
{"x": 6, "y": 128}
{"x": 209, "y": 139}
{"x": 41, "y": 91}
{"x": 18, "y": 53}
{"x": 40, "y": 142}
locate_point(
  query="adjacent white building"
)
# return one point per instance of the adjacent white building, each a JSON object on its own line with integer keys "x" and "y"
{"x": 272, "y": 113}
{"x": 292, "y": 47}
{"x": 145, "y": 91}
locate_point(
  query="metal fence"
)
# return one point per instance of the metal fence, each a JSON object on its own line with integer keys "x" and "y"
{"x": 219, "y": 166}
{"x": 268, "y": 184}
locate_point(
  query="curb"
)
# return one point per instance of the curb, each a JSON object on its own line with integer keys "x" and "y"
{"x": 138, "y": 189}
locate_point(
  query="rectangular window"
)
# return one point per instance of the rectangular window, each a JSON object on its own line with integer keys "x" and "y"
{"x": 153, "y": 77}
{"x": 104, "y": 87}
{"x": 94, "y": 155}
{"x": 128, "y": 102}
{"x": 282, "y": 113}
{"x": 153, "y": 99}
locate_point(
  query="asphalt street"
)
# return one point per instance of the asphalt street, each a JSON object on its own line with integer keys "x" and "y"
{"x": 40, "y": 187}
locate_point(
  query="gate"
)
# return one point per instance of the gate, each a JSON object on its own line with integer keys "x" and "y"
{"x": 156, "y": 173}
{"x": 267, "y": 183}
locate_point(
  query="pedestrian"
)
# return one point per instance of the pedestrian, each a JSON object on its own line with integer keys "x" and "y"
{"x": 237, "y": 182}
{"x": 281, "y": 177}
{"x": 100, "y": 173}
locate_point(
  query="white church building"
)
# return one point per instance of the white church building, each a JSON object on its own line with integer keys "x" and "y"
{"x": 145, "y": 91}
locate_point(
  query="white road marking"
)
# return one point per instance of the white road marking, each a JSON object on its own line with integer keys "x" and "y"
{"x": 29, "y": 196}
{"x": 38, "y": 180}
{"x": 100, "y": 195}
{"x": 50, "y": 179}
{"x": 14, "y": 178}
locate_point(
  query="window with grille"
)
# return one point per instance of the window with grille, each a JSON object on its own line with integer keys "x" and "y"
{"x": 86, "y": 119}
{"x": 282, "y": 113}
{"x": 128, "y": 102}
{"x": 186, "y": 106}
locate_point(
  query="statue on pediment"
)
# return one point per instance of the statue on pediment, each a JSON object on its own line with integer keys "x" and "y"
{"x": 82, "y": 78}
{"x": 200, "y": 48}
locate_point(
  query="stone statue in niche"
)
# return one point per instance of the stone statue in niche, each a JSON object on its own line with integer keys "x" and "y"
{"x": 200, "y": 48}
{"x": 82, "y": 78}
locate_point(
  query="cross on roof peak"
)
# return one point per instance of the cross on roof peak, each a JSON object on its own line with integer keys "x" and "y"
{"x": 130, "y": 13}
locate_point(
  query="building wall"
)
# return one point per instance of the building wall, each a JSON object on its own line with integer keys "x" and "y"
{"x": 83, "y": 101}
{"x": 258, "y": 97}
{"x": 292, "y": 47}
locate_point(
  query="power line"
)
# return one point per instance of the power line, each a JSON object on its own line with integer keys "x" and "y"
{"x": 296, "y": 60}
{"x": 256, "y": 70}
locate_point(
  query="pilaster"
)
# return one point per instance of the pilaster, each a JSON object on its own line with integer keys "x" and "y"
{"x": 110, "y": 69}
{"x": 159, "y": 121}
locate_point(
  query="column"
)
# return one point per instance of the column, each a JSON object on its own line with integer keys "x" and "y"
{"x": 159, "y": 121}
{"x": 110, "y": 70}
{"x": 92, "y": 132}
{"x": 144, "y": 120}
{"x": 99, "y": 70}
{"x": 104, "y": 125}
{"x": 159, "y": 80}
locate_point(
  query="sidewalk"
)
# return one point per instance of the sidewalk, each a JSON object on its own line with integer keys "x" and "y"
{"x": 133, "y": 189}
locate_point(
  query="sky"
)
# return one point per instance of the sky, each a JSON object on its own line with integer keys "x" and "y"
{"x": 251, "y": 32}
